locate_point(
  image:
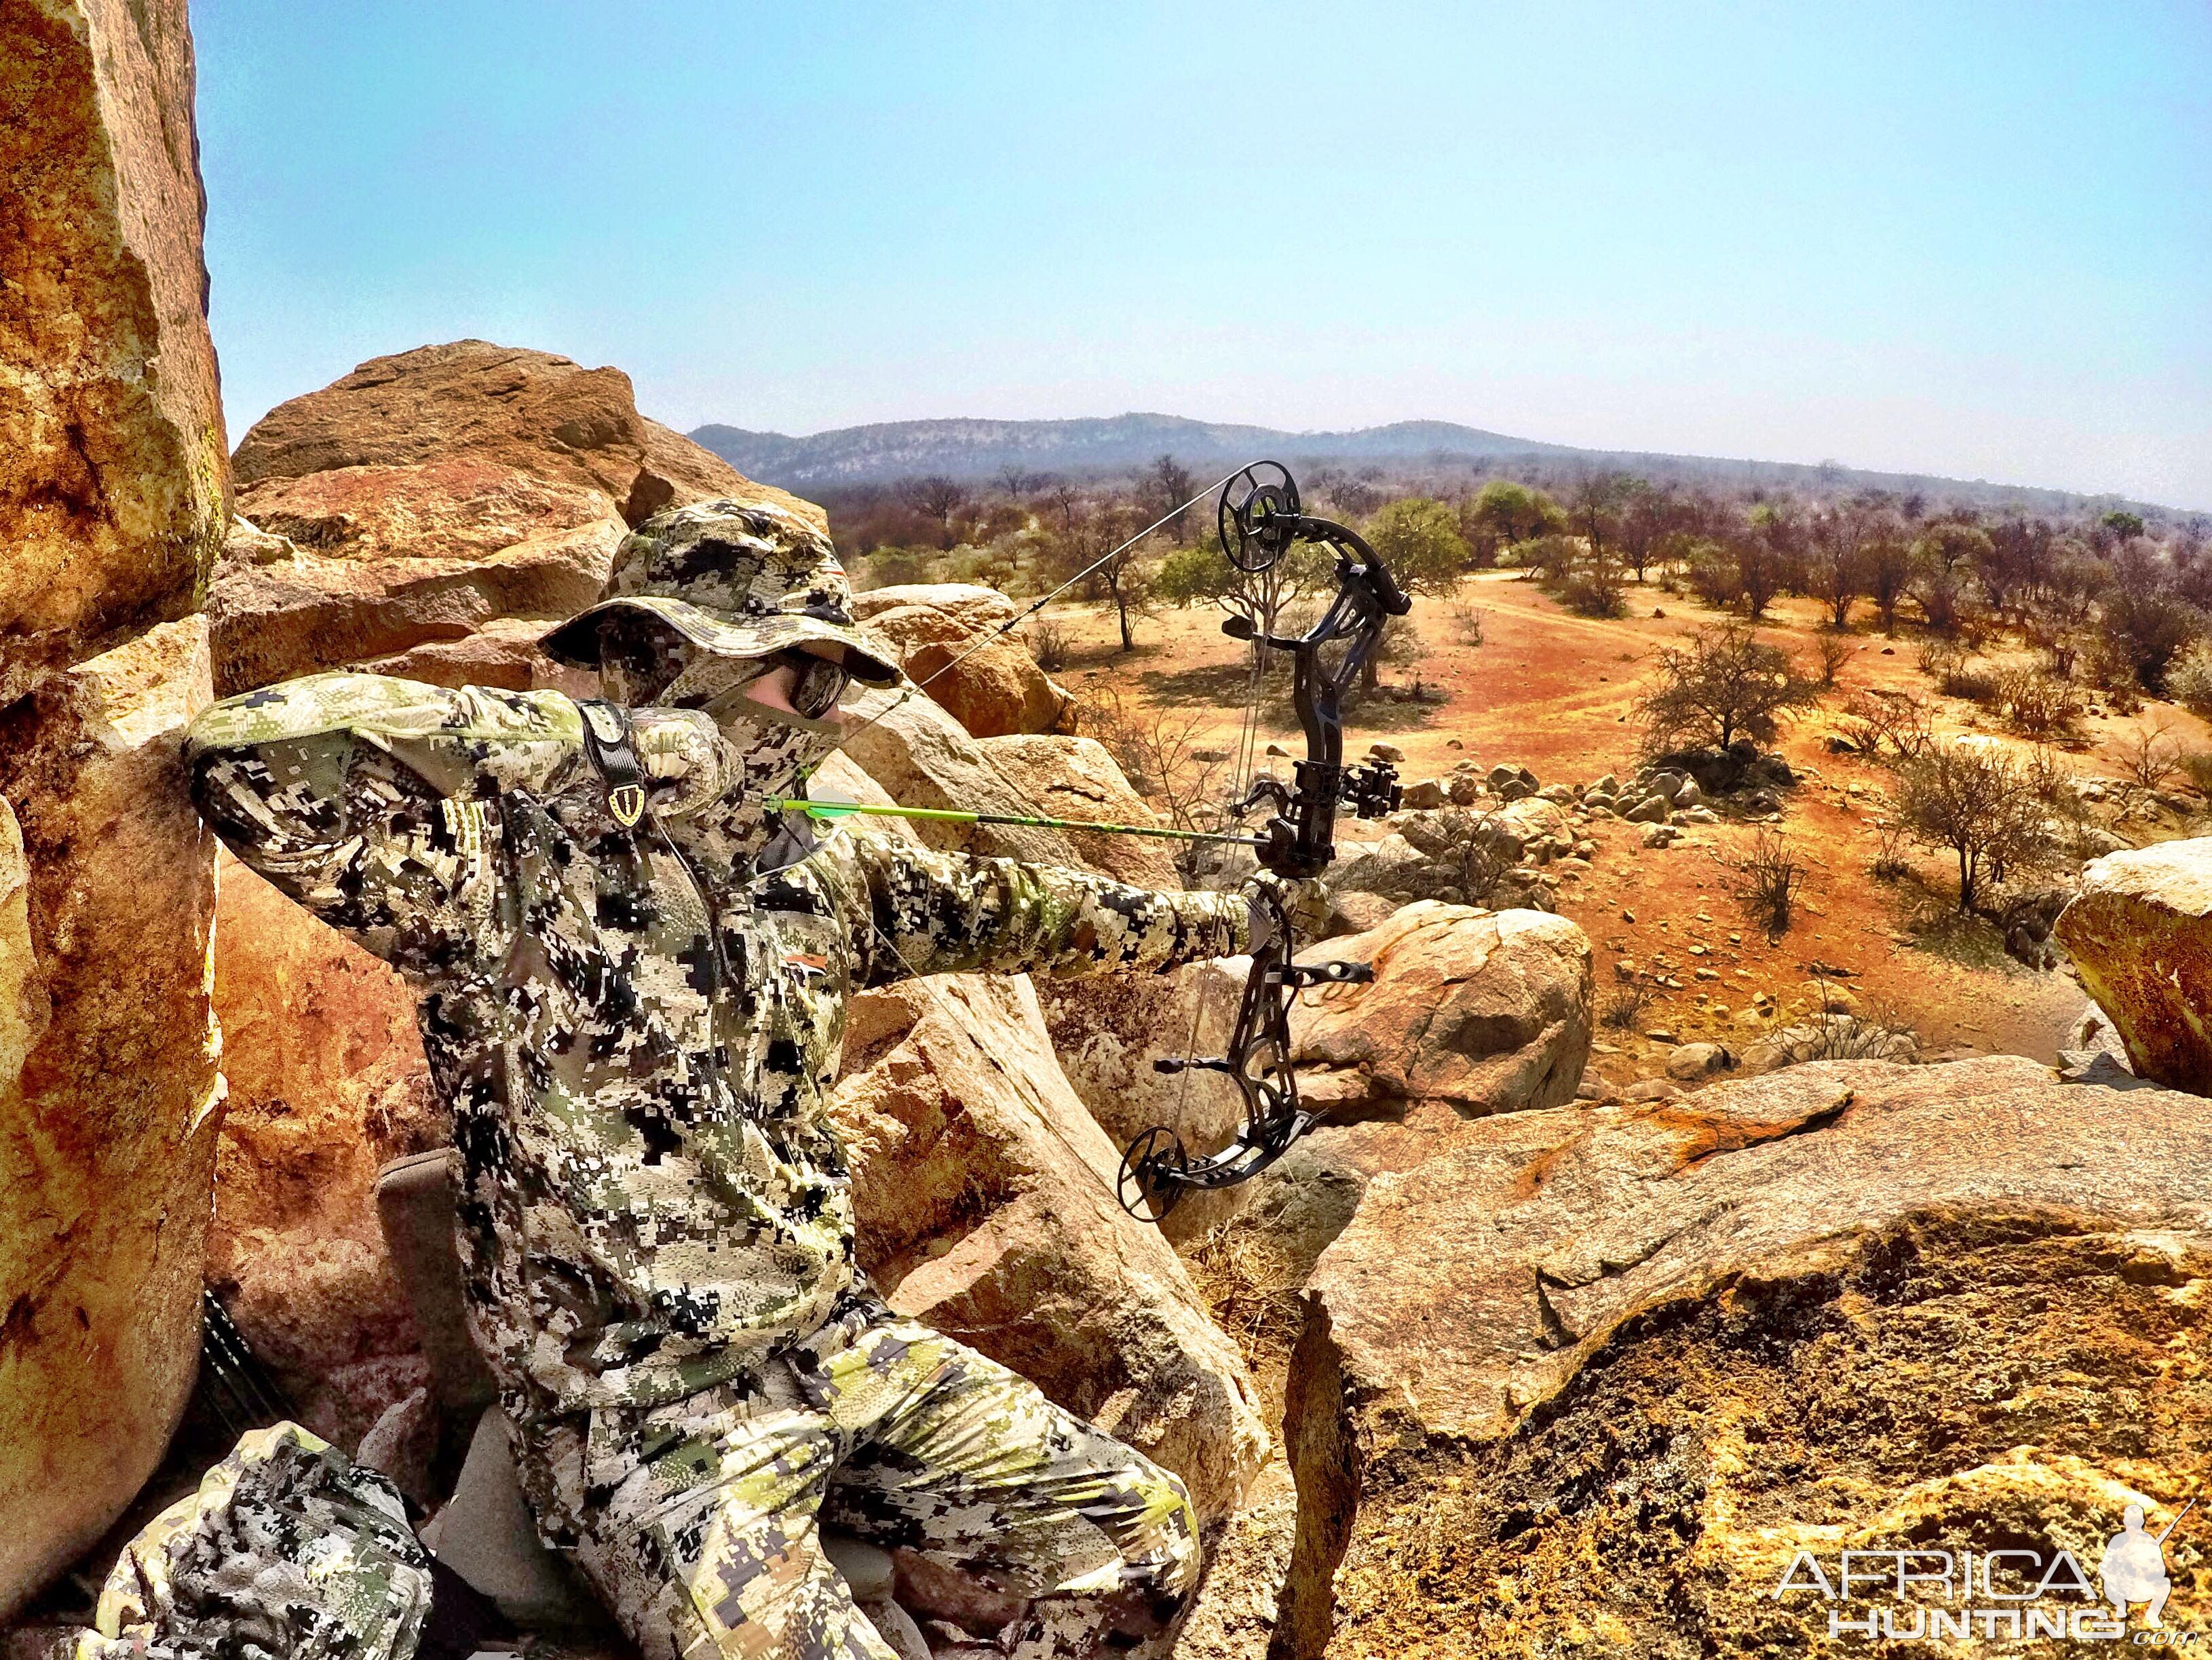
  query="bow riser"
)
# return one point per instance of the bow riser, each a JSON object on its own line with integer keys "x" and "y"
{"x": 1298, "y": 842}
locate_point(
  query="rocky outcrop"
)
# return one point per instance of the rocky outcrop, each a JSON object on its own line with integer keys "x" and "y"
{"x": 1606, "y": 1370}
{"x": 1487, "y": 1011}
{"x": 113, "y": 487}
{"x": 948, "y": 638}
{"x": 108, "y": 1091}
{"x": 985, "y": 1194}
{"x": 276, "y": 620}
{"x": 918, "y": 752}
{"x": 1107, "y": 1030}
{"x": 1075, "y": 779}
{"x": 404, "y": 511}
{"x": 2140, "y": 933}
{"x": 113, "y": 495}
{"x": 525, "y": 415}
{"x": 328, "y": 1084}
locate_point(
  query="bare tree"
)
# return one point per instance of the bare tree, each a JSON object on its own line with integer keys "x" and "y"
{"x": 1722, "y": 683}
{"x": 1113, "y": 573}
{"x": 1064, "y": 499}
{"x": 938, "y": 497}
{"x": 1838, "y": 536}
{"x": 1016, "y": 479}
{"x": 1888, "y": 575}
{"x": 1169, "y": 484}
{"x": 1976, "y": 800}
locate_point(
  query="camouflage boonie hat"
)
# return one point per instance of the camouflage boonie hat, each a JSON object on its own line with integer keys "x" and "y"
{"x": 743, "y": 580}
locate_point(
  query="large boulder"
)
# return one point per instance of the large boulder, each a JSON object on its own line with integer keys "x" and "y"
{"x": 1108, "y": 1029}
{"x": 1592, "y": 1377}
{"x": 114, "y": 496}
{"x": 2140, "y": 933}
{"x": 1487, "y": 1011}
{"x": 915, "y": 749}
{"x": 948, "y": 637}
{"x": 275, "y": 619}
{"x": 109, "y": 1099}
{"x": 113, "y": 486}
{"x": 985, "y": 1194}
{"x": 328, "y": 1084}
{"x": 1071, "y": 778}
{"x": 509, "y": 410}
{"x": 408, "y": 506}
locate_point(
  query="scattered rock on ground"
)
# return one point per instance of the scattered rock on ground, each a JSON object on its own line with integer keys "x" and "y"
{"x": 1696, "y": 1061}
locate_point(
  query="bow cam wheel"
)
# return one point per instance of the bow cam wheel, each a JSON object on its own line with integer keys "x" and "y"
{"x": 1254, "y": 516}
{"x": 1150, "y": 1183}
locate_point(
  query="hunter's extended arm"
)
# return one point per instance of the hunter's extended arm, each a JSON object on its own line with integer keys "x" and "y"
{"x": 935, "y": 912}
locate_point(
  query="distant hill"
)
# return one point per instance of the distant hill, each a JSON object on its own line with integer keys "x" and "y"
{"x": 975, "y": 451}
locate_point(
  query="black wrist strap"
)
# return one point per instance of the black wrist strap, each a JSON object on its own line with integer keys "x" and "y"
{"x": 610, "y": 743}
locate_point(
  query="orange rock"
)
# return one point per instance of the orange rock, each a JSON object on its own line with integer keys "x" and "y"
{"x": 2140, "y": 934}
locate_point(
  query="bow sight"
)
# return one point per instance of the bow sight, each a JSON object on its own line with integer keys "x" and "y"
{"x": 1261, "y": 519}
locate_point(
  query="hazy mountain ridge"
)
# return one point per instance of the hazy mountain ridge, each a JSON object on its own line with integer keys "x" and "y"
{"x": 975, "y": 450}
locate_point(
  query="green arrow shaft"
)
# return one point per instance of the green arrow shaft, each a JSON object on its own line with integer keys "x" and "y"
{"x": 838, "y": 809}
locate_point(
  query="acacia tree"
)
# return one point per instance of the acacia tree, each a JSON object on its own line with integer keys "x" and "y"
{"x": 1839, "y": 536}
{"x": 1504, "y": 512}
{"x": 1940, "y": 559}
{"x": 1724, "y": 682}
{"x": 1888, "y": 575}
{"x": 1764, "y": 557}
{"x": 1651, "y": 522}
{"x": 1990, "y": 810}
{"x": 1418, "y": 539}
{"x": 1123, "y": 580}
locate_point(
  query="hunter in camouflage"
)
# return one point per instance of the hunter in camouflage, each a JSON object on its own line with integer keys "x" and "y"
{"x": 636, "y": 1018}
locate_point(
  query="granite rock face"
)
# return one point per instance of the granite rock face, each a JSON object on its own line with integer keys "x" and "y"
{"x": 431, "y": 500}
{"x": 2140, "y": 933}
{"x": 113, "y": 490}
{"x": 504, "y": 409}
{"x": 113, "y": 497}
{"x": 109, "y": 1099}
{"x": 1590, "y": 1378}
{"x": 328, "y": 1084}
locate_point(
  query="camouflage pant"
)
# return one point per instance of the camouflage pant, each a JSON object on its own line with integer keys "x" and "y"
{"x": 699, "y": 1522}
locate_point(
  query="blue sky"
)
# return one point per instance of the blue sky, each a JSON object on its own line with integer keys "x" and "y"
{"x": 1969, "y": 239}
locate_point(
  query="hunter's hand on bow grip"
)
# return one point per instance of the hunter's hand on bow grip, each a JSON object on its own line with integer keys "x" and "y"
{"x": 681, "y": 753}
{"x": 1302, "y": 902}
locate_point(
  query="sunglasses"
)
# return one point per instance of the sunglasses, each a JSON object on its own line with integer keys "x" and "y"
{"x": 818, "y": 684}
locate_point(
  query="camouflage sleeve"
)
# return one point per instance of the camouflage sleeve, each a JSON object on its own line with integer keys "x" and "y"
{"x": 937, "y": 912}
{"x": 370, "y": 800}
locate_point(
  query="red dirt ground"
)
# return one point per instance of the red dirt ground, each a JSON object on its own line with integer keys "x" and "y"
{"x": 1554, "y": 692}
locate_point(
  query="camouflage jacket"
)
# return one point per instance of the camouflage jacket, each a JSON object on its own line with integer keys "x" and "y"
{"x": 652, "y": 1195}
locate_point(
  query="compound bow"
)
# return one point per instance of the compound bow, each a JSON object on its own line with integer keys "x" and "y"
{"x": 1260, "y": 519}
